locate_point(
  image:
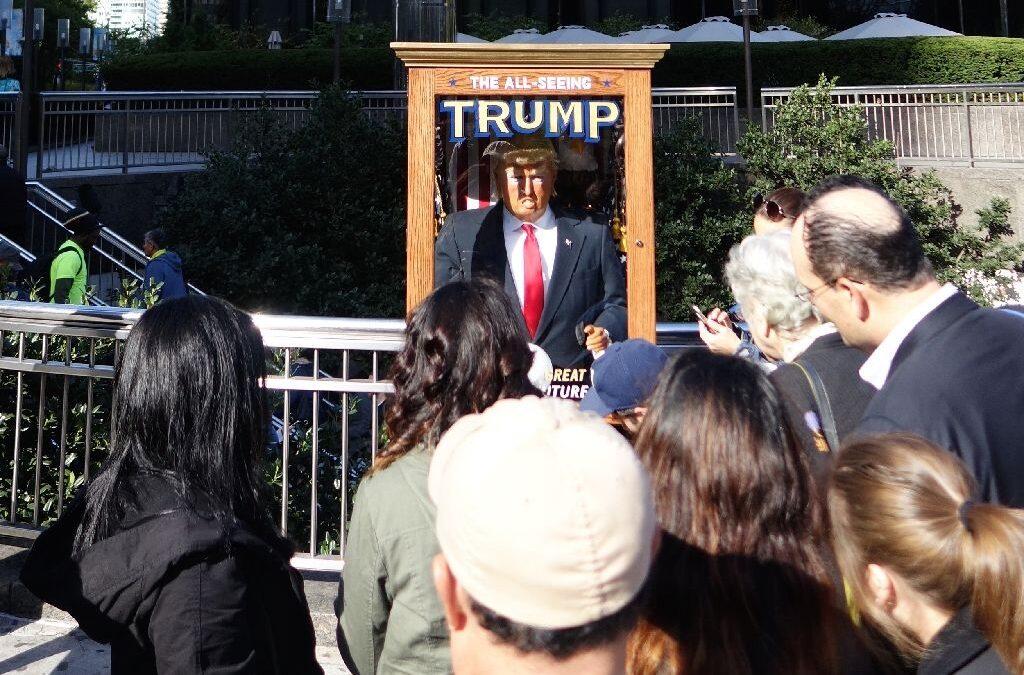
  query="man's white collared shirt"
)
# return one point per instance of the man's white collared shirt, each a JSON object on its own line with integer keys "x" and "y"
{"x": 546, "y": 231}
{"x": 875, "y": 371}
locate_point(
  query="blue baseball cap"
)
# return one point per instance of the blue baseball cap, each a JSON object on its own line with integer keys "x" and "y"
{"x": 623, "y": 377}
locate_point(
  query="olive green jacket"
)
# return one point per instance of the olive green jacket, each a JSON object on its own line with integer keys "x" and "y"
{"x": 389, "y": 617}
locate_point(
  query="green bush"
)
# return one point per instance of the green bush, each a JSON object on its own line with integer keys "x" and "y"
{"x": 812, "y": 139}
{"x": 257, "y": 69}
{"x": 853, "y": 62}
{"x": 303, "y": 221}
{"x": 699, "y": 215}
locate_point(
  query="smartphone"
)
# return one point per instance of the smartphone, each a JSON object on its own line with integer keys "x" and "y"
{"x": 700, "y": 315}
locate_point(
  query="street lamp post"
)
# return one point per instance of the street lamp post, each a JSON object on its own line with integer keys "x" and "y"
{"x": 38, "y": 21}
{"x": 339, "y": 12}
{"x": 63, "y": 39}
{"x": 747, "y": 9}
{"x": 27, "y": 76}
{"x": 99, "y": 46}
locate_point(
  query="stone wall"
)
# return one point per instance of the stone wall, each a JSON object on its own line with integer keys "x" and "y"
{"x": 975, "y": 187}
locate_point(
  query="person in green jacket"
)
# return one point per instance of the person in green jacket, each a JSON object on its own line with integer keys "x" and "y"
{"x": 464, "y": 351}
{"x": 69, "y": 270}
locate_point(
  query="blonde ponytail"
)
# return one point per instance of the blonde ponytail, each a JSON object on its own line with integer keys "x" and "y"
{"x": 997, "y": 559}
{"x": 901, "y": 502}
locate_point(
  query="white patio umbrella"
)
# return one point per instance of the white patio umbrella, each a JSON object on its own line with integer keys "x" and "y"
{"x": 713, "y": 29}
{"x": 463, "y": 37}
{"x": 575, "y": 35}
{"x": 780, "y": 34}
{"x": 649, "y": 35}
{"x": 521, "y": 35}
{"x": 889, "y": 25}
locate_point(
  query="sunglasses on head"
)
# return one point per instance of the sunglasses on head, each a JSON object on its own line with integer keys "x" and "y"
{"x": 772, "y": 209}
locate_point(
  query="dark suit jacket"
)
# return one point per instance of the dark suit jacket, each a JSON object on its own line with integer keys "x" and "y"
{"x": 587, "y": 284}
{"x": 838, "y": 366}
{"x": 958, "y": 380}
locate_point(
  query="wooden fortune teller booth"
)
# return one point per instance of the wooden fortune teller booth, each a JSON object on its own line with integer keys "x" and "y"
{"x": 593, "y": 105}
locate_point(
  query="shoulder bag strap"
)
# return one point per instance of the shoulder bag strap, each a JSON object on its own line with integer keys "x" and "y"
{"x": 828, "y": 420}
{"x": 68, "y": 247}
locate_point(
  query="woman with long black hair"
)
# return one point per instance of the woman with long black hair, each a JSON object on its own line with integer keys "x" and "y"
{"x": 169, "y": 554}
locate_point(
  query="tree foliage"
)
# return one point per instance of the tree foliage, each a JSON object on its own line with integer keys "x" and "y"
{"x": 699, "y": 215}
{"x": 813, "y": 138}
{"x": 307, "y": 220}
{"x": 493, "y": 26}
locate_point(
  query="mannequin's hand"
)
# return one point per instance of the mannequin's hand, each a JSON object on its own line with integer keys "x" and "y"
{"x": 597, "y": 338}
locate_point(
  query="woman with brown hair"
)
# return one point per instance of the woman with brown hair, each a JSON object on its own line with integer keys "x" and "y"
{"x": 739, "y": 585}
{"x": 464, "y": 350}
{"x": 938, "y": 574}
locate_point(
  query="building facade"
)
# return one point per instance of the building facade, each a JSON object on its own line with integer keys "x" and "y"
{"x": 147, "y": 15}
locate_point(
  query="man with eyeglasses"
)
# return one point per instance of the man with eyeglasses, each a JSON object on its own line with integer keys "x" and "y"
{"x": 559, "y": 267}
{"x": 945, "y": 368}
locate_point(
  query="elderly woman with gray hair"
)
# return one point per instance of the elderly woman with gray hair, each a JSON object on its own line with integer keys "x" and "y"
{"x": 818, "y": 374}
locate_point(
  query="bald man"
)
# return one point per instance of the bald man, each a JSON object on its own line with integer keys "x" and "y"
{"x": 945, "y": 368}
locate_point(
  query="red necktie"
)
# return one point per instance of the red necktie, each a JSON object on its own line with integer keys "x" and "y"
{"x": 533, "y": 286}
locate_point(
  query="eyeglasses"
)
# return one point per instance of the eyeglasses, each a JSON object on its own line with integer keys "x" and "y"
{"x": 772, "y": 209}
{"x": 808, "y": 295}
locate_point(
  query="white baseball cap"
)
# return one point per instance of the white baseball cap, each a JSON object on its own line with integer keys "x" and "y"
{"x": 544, "y": 513}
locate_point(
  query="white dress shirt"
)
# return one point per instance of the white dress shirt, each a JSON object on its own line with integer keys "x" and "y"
{"x": 875, "y": 370}
{"x": 546, "y": 231}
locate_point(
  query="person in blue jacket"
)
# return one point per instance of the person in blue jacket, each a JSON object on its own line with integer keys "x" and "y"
{"x": 163, "y": 270}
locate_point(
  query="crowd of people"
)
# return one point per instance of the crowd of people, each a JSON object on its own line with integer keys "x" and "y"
{"x": 836, "y": 490}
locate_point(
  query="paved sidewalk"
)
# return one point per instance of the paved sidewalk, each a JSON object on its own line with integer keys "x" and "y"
{"x": 51, "y": 646}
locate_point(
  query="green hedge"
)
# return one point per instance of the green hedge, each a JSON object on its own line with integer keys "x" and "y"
{"x": 365, "y": 68}
{"x": 854, "y": 62}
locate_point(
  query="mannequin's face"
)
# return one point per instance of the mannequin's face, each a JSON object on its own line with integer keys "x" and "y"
{"x": 526, "y": 190}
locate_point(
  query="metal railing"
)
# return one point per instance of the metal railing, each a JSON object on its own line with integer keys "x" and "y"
{"x": 326, "y": 387}
{"x": 119, "y": 131}
{"x": 949, "y": 124}
{"x": 8, "y": 114}
{"x": 83, "y": 131}
{"x": 713, "y": 107}
{"x": 112, "y": 260}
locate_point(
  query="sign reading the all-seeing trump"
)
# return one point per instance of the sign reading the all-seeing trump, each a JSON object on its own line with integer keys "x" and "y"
{"x": 555, "y": 118}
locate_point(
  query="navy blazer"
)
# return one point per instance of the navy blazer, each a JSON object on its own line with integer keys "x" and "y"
{"x": 586, "y": 287}
{"x": 958, "y": 380}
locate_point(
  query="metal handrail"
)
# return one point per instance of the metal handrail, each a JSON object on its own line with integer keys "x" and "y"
{"x": 278, "y": 330}
{"x": 901, "y": 88}
{"x": 326, "y": 415}
{"x": 119, "y": 243}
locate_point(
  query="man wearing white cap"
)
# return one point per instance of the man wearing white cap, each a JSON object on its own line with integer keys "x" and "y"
{"x": 547, "y": 529}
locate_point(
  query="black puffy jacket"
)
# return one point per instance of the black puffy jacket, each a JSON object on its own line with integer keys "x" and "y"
{"x": 177, "y": 591}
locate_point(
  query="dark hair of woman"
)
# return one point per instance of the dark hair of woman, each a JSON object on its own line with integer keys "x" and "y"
{"x": 465, "y": 348}
{"x": 189, "y": 405}
{"x": 740, "y": 551}
{"x": 790, "y": 199}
